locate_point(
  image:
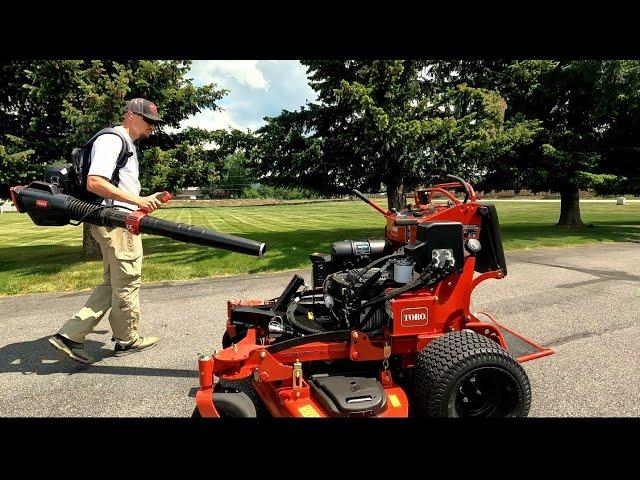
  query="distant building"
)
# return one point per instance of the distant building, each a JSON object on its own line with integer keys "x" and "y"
{"x": 7, "y": 206}
{"x": 190, "y": 193}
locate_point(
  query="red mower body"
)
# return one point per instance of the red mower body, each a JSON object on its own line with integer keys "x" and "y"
{"x": 413, "y": 347}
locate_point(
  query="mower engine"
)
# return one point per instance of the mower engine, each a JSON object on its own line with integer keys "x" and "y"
{"x": 357, "y": 298}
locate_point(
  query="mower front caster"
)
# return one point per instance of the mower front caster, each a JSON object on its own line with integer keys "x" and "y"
{"x": 464, "y": 374}
{"x": 231, "y": 404}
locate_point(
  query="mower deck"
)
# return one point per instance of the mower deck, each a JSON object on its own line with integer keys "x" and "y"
{"x": 284, "y": 401}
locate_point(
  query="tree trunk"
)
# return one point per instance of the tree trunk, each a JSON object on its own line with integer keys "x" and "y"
{"x": 395, "y": 192}
{"x": 569, "y": 207}
{"x": 90, "y": 248}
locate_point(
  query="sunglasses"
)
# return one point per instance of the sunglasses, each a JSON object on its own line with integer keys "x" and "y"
{"x": 149, "y": 121}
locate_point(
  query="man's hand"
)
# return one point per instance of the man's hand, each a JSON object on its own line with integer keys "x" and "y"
{"x": 150, "y": 203}
{"x": 102, "y": 187}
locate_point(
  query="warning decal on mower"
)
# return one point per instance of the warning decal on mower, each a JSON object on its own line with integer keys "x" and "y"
{"x": 308, "y": 411}
{"x": 414, "y": 317}
{"x": 470, "y": 231}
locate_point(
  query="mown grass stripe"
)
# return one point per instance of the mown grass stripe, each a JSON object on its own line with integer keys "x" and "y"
{"x": 41, "y": 259}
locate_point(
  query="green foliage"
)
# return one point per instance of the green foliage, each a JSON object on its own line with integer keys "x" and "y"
{"x": 388, "y": 121}
{"x": 233, "y": 167}
{"x": 184, "y": 165}
{"x": 235, "y": 172}
{"x": 603, "y": 184}
{"x": 54, "y": 105}
{"x": 589, "y": 116}
{"x": 14, "y": 161}
{"x": 588, "y": 113}
{"x": 287, "y": 154}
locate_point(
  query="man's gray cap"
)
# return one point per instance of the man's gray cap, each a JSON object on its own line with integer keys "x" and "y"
{"x": 145, "y": 108}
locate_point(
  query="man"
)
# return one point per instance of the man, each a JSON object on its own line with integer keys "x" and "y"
{"x": 121, "y": 251}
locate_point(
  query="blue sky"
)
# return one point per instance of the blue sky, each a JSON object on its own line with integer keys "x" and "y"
{"x": 257, "y": 89}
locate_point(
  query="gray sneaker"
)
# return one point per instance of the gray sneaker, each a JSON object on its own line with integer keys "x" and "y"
{"x": 72, "y": 349}
{"x": 141, "y": 343}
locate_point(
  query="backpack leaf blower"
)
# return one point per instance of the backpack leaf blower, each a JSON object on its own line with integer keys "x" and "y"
{"x": 48, "y": 206}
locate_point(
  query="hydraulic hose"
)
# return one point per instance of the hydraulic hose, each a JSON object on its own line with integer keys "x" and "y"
{"x": 423, "y": 279}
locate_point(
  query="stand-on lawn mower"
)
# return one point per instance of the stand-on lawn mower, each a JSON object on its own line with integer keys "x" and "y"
{"x": 387, "y": 330}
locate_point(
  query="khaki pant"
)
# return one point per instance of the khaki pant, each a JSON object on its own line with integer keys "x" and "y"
{"x": 122, "y": 261}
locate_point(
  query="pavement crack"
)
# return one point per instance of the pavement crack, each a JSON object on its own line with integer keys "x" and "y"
{"x": 582, "y": 335}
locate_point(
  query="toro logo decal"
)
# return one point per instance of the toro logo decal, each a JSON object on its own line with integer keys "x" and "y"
{"x": 414, "y": 317}
{"x": 42, "y": 203}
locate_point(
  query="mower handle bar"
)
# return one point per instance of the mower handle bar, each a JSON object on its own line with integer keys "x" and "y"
{"x": 468, "y": 188}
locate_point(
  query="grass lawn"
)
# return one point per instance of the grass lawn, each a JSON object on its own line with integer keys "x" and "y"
{"x": 46, "y": 259}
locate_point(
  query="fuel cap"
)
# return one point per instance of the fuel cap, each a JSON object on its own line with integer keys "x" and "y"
{"x": 472, "y": 245}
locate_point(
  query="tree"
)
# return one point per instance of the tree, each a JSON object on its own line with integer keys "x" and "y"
{"x": 54, "y": 105}
{"x": 14, "y": 161}
{"x": 15, "y": 114}
{"x": 385, "y": 121}
{"x": 236, "y": 173}
{"x": 619, "y": 172}
{"x": 287, "y": 155}
{"x": 588, "y": 111}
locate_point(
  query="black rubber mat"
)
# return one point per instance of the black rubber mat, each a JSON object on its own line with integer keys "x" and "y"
{"x": 516, "y": 346}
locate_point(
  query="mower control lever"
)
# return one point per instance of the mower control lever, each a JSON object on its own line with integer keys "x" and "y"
{"x": 361, "y": 196}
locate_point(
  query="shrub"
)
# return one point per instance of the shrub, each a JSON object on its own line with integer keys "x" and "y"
{"x": 279, "y": 193}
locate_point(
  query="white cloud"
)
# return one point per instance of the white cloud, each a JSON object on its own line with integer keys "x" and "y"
{"x": 257, "y": 89}
{"x": 245, "y": 72}
{"x": 210, "y": 120}
{"x": 217, "y": 120}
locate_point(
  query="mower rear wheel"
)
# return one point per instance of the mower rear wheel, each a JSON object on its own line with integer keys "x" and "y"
{"x": 231, "y": 404}
{"x": 464, "y": 374}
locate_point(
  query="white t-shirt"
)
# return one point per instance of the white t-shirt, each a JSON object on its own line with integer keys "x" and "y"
{"x": 104, "y": 155}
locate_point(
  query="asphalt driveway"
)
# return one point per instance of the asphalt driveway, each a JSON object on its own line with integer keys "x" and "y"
{"x": 583, "y": 301}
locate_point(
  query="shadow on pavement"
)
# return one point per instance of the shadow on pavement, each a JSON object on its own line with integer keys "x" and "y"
{"x": 39, "y": 357}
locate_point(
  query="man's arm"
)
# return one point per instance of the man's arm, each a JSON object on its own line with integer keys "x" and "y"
{"x": 102, "y": 187}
